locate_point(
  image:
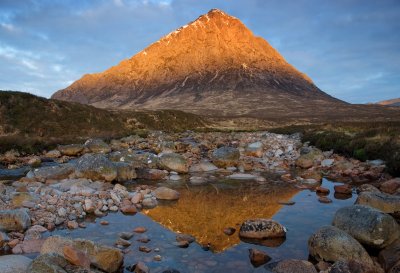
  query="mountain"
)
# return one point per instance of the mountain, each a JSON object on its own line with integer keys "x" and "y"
{"x": 213, "y": 66}
{"x": 392, "y": 102}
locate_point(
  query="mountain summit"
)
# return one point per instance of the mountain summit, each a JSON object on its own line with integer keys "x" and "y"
{"x": 214, "y": 65}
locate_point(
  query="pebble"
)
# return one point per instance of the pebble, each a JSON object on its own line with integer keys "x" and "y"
{"x": 140, "y": 230}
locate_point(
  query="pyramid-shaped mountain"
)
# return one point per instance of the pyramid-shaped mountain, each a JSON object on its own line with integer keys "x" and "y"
{"x": 214, "y": 65}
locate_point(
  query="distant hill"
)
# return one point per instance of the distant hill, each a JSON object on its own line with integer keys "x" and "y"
{"x": 27, "y": 118}
{"x": 392, "y": 102}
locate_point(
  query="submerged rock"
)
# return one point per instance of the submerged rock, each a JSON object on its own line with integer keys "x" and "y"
{"x": 164, "y": 193}
{"x": 292, "y": 266}
{"x": 262, "y": 229}
{"x": 368, "y": 225}
{"x": 332, "y": 244}
{"x": 258, "y": 257}
{"x": 226, "y": 157}
{"x": 95, "y": 167}
{"x": 381, "y": 201}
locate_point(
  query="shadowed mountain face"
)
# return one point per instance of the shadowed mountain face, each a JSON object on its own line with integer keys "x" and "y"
{"x": 213, "y": 66}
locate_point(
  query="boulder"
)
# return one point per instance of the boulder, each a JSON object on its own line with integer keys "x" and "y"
{"x": 292, "y": 266}
{"x": 389, "y": 256}
{"x": 258, "y": 257}
{"x": 14, "y": 220}
{"x": 53, "y": 263}
{"x": 106, "y": 258}
{"x": 57, "y": 172}
{"x": 136, "y": 159}
{"x": 125, "y": 171}
{"x": 307, "y": 160}
{"x": 151, "y": 174}
{"x": 76, "y": 257}
{"x": 327, "y": 162}
{"x": 254, "y": 149}
{"x": 14, "y": 264}
{"x": 353, "y": 266}
{"x": 367, "y": 225}
{"x": 95, "y": 167}
{"x": 203, "y": 166}
{"x": 174, "y": 162}
{"x": 53, "y": 154}
{"x": 390, "y": 186}
{"x": 226, "y": 157}
{"x": 262, "y": 229}
{"x": 71, "y": 149}
{"x": 97, "y": 146}
{"x": 381, "y": 201}
{"x": 164, "y": 193}
{"x": 332, "y": 244}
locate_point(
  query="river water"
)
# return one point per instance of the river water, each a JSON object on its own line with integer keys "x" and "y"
{"x": 204, "y": 211}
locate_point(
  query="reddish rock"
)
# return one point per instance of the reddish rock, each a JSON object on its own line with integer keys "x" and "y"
{"x": 128, "y": 209}
{"x": 390, "y": 186}
{"x": 144, "y": 249}
{"x": 140, "y": 230}
{"x": 258, "y": 257}
{"x": 229, "y": 231}
{"x": 343, "y": 189}
{"x": 30, "y": 246}
{"x": 76, "y": 257}
{"x": 324, "y": 199}
{"x": 72, "y": 225}
{"x": 389, "y": 256}
{"x": 322, "y": 190}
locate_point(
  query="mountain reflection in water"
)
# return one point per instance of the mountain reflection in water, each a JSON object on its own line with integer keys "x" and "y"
{"x": 205, "y": 212}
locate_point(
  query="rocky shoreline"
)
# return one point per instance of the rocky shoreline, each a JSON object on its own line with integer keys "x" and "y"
{"x": 72, "y": 182}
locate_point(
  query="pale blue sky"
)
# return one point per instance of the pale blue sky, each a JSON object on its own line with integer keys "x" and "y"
{"x": 350, "y": 48}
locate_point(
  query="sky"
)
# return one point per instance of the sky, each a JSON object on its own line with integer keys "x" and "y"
{"x": 350, "y": 48}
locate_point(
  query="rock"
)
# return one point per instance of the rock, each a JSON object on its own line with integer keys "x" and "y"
{"x": 71, "y": 149}
{"x": 258, "y": 257}
{"x": 322, "y": 190}
{"x": 140, "y": 230}
{"x": 182, "y": 244}
{"x": 89, "y": 206}
{"x": 125, "y": 171}
{"x": 381, "y": 201}
{"x": 97, "y": 146}
{"x": 144, "y": 239}
{"x": 126, "y": 235}
{"x": 353, "y": 266}
{"x": 343, "y": 189}
{"x": 203, "y": 166}
{"x": 28, "y": 246}
{"x": 367, "y": 187}
{"x": 390, "y": 186}
{"x": 367, "y": 225}
{"x": 174, "y": 162}
{"x": 157, "y": 258}
{"x": 95, "y": 167}
{"x": 242, "y": 176}
{"x": 34, "y": 161}
{"x": 175, "y": 177}
{"x": 53, "y": 154}
{"x": 14, "y": 220}
{"x": 262, "y": 229}
{"x": 164, "y": 193}
{"x": 144, "y": 249}
{"x": 322, "y": 266}
{"x": 185, "y": 238}
{"x": 197, "y": 180}
{"x": 149, "y": 203}
{"x": 123, "y": 242}
{"x": 76, "y": 257}
{"x": 141, "y": 267}
{"x": 3, "y": 239}
{"x": 57, "y": 172}
{"x": 72, "y": 225}
{"x": 307, "y": 160}
{"x": 34, "y": 232}
{"x": 130, "y": 209}
{"x": 327, "y": 162}
{"x": 226, "y": 157}
{"x": 229, "y": 231}
{"x": 150, "y": 174}
{"x": 18, "y": 199}
{"x": 332, "y": 244}
{"x": 53, "y": 263}
{"x": 254, "y": 149}
{"x": 105, "y": 258}
{"x": 14, "y": 264}
{"x": 389, "y": 256}
{"x": 292, "y": 266}
{"x": 325, "y": 200}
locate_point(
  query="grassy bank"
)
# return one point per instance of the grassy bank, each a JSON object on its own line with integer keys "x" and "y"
{"x": 361, "y": 140}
